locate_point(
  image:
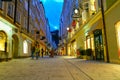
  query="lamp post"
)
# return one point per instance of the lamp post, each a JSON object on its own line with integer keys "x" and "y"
{"x": 67, "y": 40}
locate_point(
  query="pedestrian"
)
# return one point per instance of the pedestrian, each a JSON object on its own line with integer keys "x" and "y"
{"x": 42, "y": 51}
{"x": 37, "y": 50}
{"x": 32, "y": 50}
{"x": 52, "y": 53}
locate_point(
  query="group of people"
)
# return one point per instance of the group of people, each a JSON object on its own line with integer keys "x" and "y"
{"x": 35, "y": 50}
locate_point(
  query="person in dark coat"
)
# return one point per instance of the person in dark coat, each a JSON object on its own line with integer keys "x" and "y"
{"x": 52, "y": 53}
{"x": 42, "y": 51}
{"x": 37, "y": 50}
{"x": 32, "y": 50}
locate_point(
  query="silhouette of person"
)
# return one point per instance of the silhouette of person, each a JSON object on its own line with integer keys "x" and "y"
{"x": 32, "y": 50}
{"x": 37, "y": 50}
{"x": 42, "y": 51}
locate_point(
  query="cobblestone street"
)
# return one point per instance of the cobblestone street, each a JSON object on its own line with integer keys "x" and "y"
{"x": 58, "y": 68}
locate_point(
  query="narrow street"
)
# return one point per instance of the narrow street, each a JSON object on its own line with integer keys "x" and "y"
{"x": 58, "y": 68}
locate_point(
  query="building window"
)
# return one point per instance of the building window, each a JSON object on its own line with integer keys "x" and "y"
{"x": 33, "y": 32}
{"x": 10, "y": 10}
{"x": 117, "y": 26}
{"x": 25, "y": 47}
{"x": 0, "y": 4}
{"x": 92, "y": 7}
{"x": 21, "y": 0}
{"x": 25, "y": 22}
{"x": 18, "y": 17}
{"x": 26, "y": 5}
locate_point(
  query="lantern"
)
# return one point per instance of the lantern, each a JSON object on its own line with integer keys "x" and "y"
{"x": 70, "y": 30}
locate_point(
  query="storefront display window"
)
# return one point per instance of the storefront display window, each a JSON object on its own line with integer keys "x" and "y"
{"x": 92, "y": 43}
{"x": 88, "y": 43}
{"x": 2, "y": 41}
{"x": 118, "y": 36}
{"x": 85, "y": 44}
{"x": 25, "y": 47}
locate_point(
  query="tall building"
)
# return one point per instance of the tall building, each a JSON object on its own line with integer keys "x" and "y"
{"x": 93, "y": 27}
{"x": 65, "y": 21}
{"x": 22, "y": 22}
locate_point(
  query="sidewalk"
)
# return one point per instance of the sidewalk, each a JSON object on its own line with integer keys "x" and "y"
{"x": 97, "y": 70}
{"x": 58, "y": 68}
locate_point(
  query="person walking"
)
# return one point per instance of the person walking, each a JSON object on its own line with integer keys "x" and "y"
{"x": 42, "y": 51}
{"x": 52, "y": 53}
{"x": 32, "y": 50}
{"x": 37, "y": 50}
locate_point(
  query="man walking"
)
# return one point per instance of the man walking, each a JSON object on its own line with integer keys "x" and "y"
{"x": 42, "y": 51}
{"x": 32, "y": 50}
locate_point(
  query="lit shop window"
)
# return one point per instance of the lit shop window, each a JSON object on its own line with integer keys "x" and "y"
{"x": 92, "y": 43}
{"x": 88, "y": 43}
{"x": 85, "y": 44}
{"x": 118, "y": 36}
{"x": 2, "y": 41}
{"x": 25, "y": 47}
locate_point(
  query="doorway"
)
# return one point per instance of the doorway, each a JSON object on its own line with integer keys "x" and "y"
{"x": 98, "y": 41}
{"x": 15, "y": 44}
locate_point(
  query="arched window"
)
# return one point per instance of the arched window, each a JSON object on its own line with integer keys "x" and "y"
{"x": 25, "y": 47}
{"x": 2, "y": 41}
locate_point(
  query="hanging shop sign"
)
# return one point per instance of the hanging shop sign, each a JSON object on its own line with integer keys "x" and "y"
{"x": 73, "y": 23}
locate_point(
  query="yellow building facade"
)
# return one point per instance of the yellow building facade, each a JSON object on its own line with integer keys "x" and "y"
{"x": 91, "y": 35}
{"x": 19, "y": 23}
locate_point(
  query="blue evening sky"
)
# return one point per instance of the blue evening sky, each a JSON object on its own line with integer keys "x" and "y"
{"x": 53, "y": 10}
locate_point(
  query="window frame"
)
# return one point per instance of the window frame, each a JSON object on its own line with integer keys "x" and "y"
{"x": 11, "y": 13}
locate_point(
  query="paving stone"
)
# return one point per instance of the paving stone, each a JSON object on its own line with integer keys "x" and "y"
{"x": 58, "y": 68}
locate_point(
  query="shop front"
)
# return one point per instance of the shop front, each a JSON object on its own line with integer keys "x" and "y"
{"x": 25, "y": 45}
{"x": 5, "y": 39}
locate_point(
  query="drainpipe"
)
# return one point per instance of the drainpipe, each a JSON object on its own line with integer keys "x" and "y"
{"x": 104, "y": 29}
{"x": 28, "y": 15}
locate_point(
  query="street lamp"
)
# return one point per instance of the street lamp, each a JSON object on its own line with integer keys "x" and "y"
{"x": 68, "y": 28}
{"x": 76, "y": 11}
